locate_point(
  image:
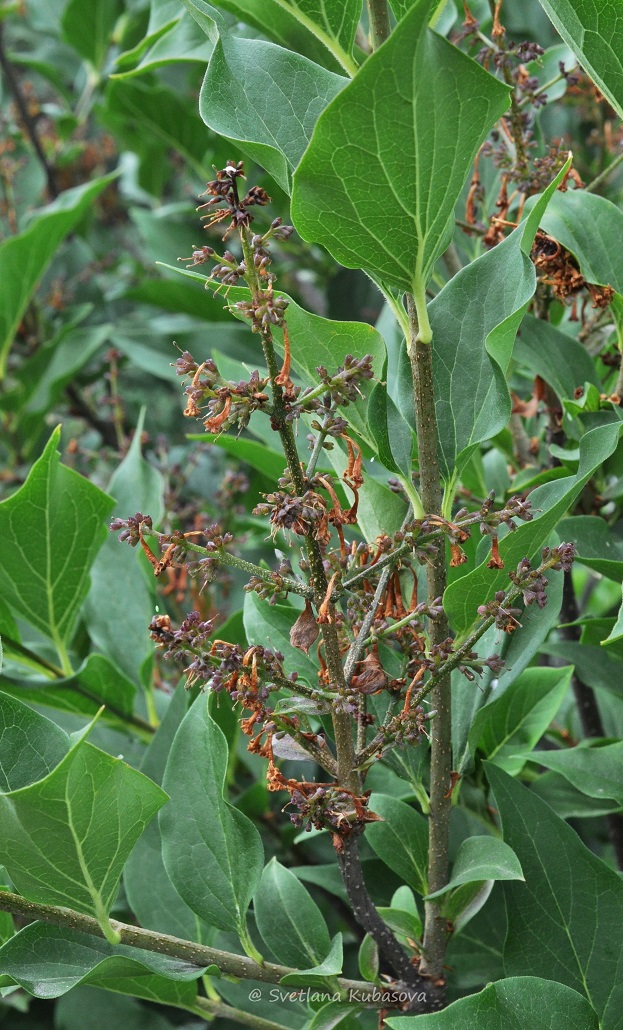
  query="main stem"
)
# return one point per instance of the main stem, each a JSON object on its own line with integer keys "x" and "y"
{"x": 435, "y": 932}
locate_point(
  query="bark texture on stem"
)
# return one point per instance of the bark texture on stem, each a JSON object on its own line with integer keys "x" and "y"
{"x": 435, "y": 931}
{"x": 378, "y": 17}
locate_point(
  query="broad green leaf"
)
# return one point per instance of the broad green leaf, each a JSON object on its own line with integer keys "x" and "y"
{"x": 475, "y": 954}
{"x": 596, "y": 771}
{"x": 515, "y": 1003}
{"x": 329, "y": 20}
{"x": 474, "y": 321}
{"x": 595, "y": 666}
{"x": 51, "y": 529}
{"x": 212, "y": 853}
{"x": 270, "y": 625}
{"x": 517, "y": 650}
{"x": 281, "y": 21}
{"x": 64, "y": 838}
{"x": 588, "y": 225}
{"x": 47, "y": 962}
{"x": 596, "y": 544}
{"x": 321, "y": 974}
{"x": 152, "y": 896}
{"x": 136, "y": 486}
{"x": 482, "y": 858}
{"x": 567, "y": 801}
{"x": 267, "y": 100}
{"x": 404, "y": 132}
{"x": 368, "y": 959}
{"x": 105, "y": 1010}
{"x": 405, "y": 924}
{"x": 270, "y": 463}
{"x": 391, "y": 433}
{"x": 594, "y": 31}
{"x": 557, "y": 357}
{"x": 162, "y": 114}
{"x": 508, "y": 728}
{"x": 335, "y": 1014}
{"x": 289, "y": 921}
{"x": 25, "y": 257}
{"x": 400, "y": 840}
{"x": 163, "y": 16}
{"x": 88, "y": 25}
{"x": 616, "y": 633}
{"x": 181, "y": 41}
{"x": 552, "y": 500}
{"x": 97, "y": 682}
{"x": 30, "y": 746}
{"x": 571, "y": 919}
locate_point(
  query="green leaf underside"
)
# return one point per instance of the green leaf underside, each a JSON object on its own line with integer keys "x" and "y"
{"x": 596, "y": 771}
{"x": 549, "y": 502}
{"x": 65, "y": 838}
{"x": 554, "y": 355}
{"x": 319, "y": 975}
{"x": 516, "y": 1003}
{"x": 400, "y": 840}
{"x": 403, "y": 133}
{"x": 212, "y": 853}
{"x": 474, "y": 320}
{"x": 509, "y": 727}
{"x": 267, "y": 99}
{"x": 289, "y": 921}
{"x": 482, "y": 858}
{"x": 48, "y": 962}
{"x": 25, "y": 257}
{"x": 594, "y": 31}
{"x": 570, "y": 920}
{"x": 52, "y": 529}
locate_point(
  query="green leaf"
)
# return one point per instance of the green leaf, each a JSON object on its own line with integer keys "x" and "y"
{"x": 391, "y": 433}
{"x": 554, "y": 355}
{"x": 400, "y": 840}
{"x": 290, "y": 922}
{"x": 474, "y": 320}
{"x": 87, "y": 26}
{"x": 596, "y": 771}
{"x": 512, "y": 1004}
{"x": 267, "y": 99}
{"x": 152, "y": 896}
{"x": 508, "y": 728}
{"x": 278, "y": 21}
{"x": 25, "y": 257}
{"x": 48, "y": 962}
{"x": 136, "y": 486}
{"x": 594, "y": 31}
{"x": 405, "y": 924}
{"x": 595, "y": 666}
{"x": 162, "y": 114}
{"x": 65, "y": 838}
{"x": 270, "y": 625}
{"x": 482, "y": 858}
{"x": 570, "y": 919}
{"x": 336, "y": 1014}
{"x": 616, "y": 633}
{"x": 105, "y": 1010}
{"x": 464, "y": 595}
{"x": 30, "y": 746}
{"x": 51, "y": 529}
{"x": 517, "y": 650}
{"x": 182, "y": 40}
{"x": 596, "y": 545}
{"x": 406, "y": 134}
{"x": 369, "y": 959}
{"x": 97, "y": 682}
{"x": 270, "y": 463}
{"x": 212, "y": 853}
{"x": 321, "y": 974}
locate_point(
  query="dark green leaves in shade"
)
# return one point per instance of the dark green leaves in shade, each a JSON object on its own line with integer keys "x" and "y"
{"x": 400, "y": 840}
{"x": 212, "y": 853}
{"x": 594, "y": 31}
{"x": 509, "y": 727}
{"x": 289, "y": 921}
{"x": 597, "y": 546}
{"x": 551, "y": 500}
{"x": 267, "y": 99}
{"x": 322, "y": 974}
{"x": 515, "y": 1003}
{"x": 474, "y": 320}
{"x": 556, "y": 356}
{"x": 270, "y": 626}
{"x": 378, "y": 184}
{"x": 596, "y": 771}
{"x": 48, "y": 962}
{"x": 51, "y": 529}
{"x": 65, "y": 836}
{"x": 25, "y": 257}
{"x": 567, "y": 916}
{"x": 482, "y": 858}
